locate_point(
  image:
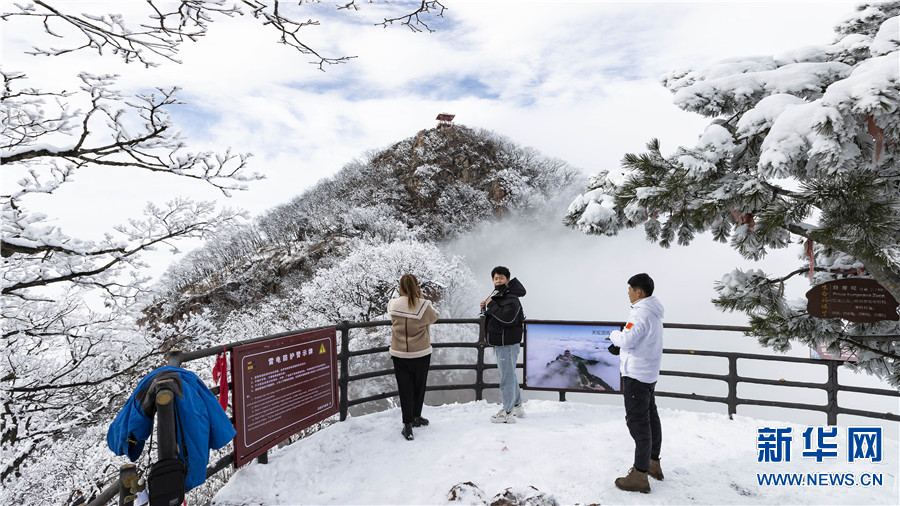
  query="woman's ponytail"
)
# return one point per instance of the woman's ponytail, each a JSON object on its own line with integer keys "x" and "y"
{"x": 409, "y": 286}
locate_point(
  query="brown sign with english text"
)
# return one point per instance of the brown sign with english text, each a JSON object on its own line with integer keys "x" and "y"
{"x": 858, "y": 300}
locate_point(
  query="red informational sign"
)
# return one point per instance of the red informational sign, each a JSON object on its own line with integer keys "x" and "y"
{"x": 859, "y": 300}
{"x": 282, "y": 386}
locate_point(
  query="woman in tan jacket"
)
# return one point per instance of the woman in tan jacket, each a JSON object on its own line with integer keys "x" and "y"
{"x": 411, "y": 316}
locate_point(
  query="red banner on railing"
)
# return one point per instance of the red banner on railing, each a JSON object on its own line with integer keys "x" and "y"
{"x": 282, "y": 386}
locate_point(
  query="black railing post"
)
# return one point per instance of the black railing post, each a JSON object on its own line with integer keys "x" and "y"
{"x": 482, "y": 330}
{"x": 344, "y": 379}
{"x": 832, "y": 390}
{"x": 732, "y": 386}
{"x": 127, "y": 477}
{"x": 479, "y": 365}
{"x": 562, "y": 396}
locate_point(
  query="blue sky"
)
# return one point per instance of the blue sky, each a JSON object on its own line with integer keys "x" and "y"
{"x": 576, "y": 80}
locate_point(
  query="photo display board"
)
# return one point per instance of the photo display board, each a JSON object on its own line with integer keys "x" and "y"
{"x": 282, "y": 386}
{"x": 571, "y": 357}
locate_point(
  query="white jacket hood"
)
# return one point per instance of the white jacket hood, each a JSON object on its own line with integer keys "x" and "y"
{"x": 641, "y": 341}
{"x": 651, "y": 305}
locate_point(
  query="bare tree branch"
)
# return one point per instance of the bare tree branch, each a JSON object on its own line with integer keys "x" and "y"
{"x": 413, "y": 20}
{"x": 289, "y": 29}
{"x": 154, "y": 148}
{"x": 187, "y": 20}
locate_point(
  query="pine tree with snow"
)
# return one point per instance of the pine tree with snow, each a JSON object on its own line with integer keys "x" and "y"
{"x": 802, "y": 149}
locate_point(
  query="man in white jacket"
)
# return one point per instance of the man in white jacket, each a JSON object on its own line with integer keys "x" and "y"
{"x": 641, "y": 346}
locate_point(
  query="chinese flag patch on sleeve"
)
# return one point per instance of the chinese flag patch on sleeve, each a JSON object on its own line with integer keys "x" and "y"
{"x": 628, "y": 326}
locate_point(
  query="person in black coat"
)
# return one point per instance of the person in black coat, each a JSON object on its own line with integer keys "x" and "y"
{"x": 504, "y": 320}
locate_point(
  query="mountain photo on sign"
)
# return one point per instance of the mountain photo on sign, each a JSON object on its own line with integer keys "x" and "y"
{"x": 573, "y": 357}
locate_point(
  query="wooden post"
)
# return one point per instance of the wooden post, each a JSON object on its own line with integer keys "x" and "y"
{"x": 127, "y": 476}
{"x": 166, "y": 432}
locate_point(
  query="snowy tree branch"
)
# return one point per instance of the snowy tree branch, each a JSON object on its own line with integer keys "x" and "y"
{"x": 180, "y": 219}
{"x": 176, "y": 22}
{"x": 413, "y": 20}
{"x": 111, "y": 32}
{"x": 139, "y": 361}
{"x": 154, "y": 149}
{"x": 288, "y": 30}
{"x": 796, "y": 145}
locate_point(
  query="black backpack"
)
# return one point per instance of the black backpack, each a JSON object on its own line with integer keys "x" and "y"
{"x": 166, "y": 482}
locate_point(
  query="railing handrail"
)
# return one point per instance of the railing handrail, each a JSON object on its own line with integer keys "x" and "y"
{"x": 215, "y": 350}
{"x": 831, "y": 385}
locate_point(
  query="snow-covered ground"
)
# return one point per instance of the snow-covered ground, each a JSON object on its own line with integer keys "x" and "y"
{"x": 570, "y": 451}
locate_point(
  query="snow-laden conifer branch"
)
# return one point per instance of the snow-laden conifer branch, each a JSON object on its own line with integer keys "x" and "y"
{"x": 797, "y": 150}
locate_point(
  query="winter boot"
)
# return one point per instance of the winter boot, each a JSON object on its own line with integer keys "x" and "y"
{"x": 636, "y": 481}
{"x": 407, "y": 431}
{"x": 419, "y": 421}
{"x": 655, "y": 471}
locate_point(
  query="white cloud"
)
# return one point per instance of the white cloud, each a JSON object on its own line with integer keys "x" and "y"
{"x": 576, "y": 80}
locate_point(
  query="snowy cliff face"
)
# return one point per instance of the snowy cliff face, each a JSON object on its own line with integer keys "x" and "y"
{"x": 455, "y": 178}
{"x": 380, "y": 216}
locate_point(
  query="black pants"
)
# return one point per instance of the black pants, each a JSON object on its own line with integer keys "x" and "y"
{"x": 643, "y": 421}
{"x": 412, "y": 376}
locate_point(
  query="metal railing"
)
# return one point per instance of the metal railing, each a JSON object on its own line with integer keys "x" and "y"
{"x": 831, "y": 386}
{"x": 732, "y": 379}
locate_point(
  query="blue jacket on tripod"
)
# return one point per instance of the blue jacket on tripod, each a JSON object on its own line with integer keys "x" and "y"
{"x": 204, "y": 424}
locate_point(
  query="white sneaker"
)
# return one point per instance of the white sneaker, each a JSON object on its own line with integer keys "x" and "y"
{"x": 503, "y": 417}
{"x": 518, "y": 411}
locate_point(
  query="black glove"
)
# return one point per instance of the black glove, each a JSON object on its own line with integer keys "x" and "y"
{"x": 614, "y": 349}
